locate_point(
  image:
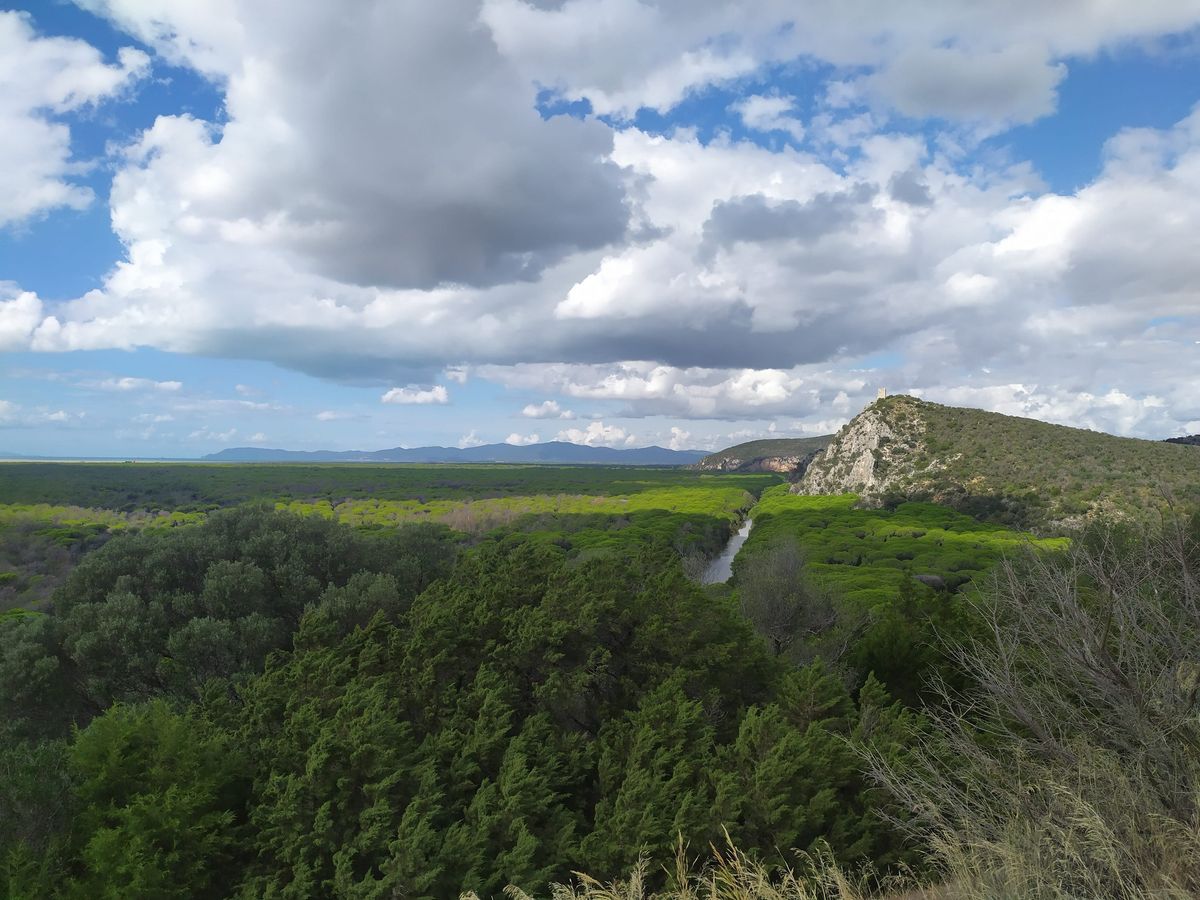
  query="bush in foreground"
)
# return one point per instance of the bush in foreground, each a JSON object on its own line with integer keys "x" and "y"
{"x": 1072, "y": 767}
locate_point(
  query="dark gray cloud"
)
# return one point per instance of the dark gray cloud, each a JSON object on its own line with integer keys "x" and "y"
{"x": 755, "y": 218}
{"x": 429, "y": 163}
{"x": 723, "y": 342}
{"x": 910, "y": 187}
{"x": 727, "y": 339}
{"x": 394, "y": 147}
{"x": 1017, "y": 83}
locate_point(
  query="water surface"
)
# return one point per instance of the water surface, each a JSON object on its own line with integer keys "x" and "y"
{"x": 720, "y": 569}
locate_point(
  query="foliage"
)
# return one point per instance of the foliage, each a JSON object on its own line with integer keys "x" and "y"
{"x": 36, "y": 556}
{"x": 37, "y": 804}
{"x": 253, "y": 702}
{"x": 535, "y": 716}
{"x": 1069, "y": 768}
{"x": 729, "y": 873}
{"x": 866, "y": 553}
{"x": 778, "y": 596}
{"x": 159, "y": 801}
{"x": 715, "y": 498}
{"x": 44, "y": 533}
{"x": 159, "y": 613}
{"x": 897, "y": 578}
{"x": 37, "y": 696}
{"x": 40, "y": 544}
{"x": 531, "y": 714}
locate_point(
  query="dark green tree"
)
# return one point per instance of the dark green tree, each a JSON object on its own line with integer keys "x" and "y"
{"x": 161, "y": 800}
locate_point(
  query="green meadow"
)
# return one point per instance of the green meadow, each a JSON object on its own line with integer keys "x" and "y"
{"x": 866, "y": 554}
{"x": 53, "y": 513}
{"x": 187, "y": 487}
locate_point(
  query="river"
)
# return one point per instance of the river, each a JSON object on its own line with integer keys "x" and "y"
{"x": 720, "y": 569}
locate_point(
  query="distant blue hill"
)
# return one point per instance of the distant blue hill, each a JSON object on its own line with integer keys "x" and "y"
{"x": 551, "y": 452}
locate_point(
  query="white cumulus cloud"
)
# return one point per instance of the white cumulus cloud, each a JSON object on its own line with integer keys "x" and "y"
{"x": 770, "y": 112}
{"x": 41, "y": 80}
{"x": 129, "y": 383}
{"x": 470, "y": 439}
{"x": 622, "y": 55}
{"x": 415, "y": 395}
{"x": 680, "y": 439}
{"x": 598, "y": 434}
{"x": 20, "y": 314}
{"x": 547, "y": 409}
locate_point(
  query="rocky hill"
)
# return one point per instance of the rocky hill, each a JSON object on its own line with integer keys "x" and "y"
{"x": 787, "y": 456}
{"x": 1005, "y": 468}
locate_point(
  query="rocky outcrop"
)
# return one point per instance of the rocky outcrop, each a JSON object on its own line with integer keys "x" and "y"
{"x": 872, "y": 455}
{"x": 784, "y": 456}
{"x": 1008, "y": 469}
{"x": 783, "y": 465}
{"x": 793, "y": 466}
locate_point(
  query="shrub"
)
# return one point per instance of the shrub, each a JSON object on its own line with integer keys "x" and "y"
{"x": 1070, "y": 768}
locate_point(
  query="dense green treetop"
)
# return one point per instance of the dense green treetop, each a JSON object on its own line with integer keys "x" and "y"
{"x": 532, "y": 712}
{"x": 161, "y": 612}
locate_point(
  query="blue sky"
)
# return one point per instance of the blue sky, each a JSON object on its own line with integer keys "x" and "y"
{"x": 602, "y": 221}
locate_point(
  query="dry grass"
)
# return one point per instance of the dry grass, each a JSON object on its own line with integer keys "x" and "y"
{"x": 732, "y": 875}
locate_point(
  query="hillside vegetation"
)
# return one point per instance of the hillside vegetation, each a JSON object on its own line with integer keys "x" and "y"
{"x": 271, "y": 705}
{"x": 867, "y": 553}
{"x": 776, "y": 455}
{"x": 897, "y": 578}
{"x": 1004, "y": 468}
{"x": 378, "y": 681}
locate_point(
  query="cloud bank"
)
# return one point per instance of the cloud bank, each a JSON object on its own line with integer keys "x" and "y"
{"x": 402, "y": 211}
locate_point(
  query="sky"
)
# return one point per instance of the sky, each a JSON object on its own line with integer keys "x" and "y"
{"x": 691, "y": 223}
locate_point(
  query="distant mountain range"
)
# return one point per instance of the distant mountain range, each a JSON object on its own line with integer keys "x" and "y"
{"x": 550, "y": 452}
{"x": 1008, "y": 439}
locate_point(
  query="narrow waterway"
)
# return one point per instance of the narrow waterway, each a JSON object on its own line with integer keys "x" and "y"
{"x": 720, "y": 569}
